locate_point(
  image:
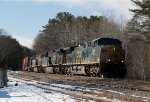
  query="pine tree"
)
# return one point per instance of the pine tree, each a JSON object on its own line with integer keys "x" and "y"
{"x": 142, "y": 12}
{"x": 133, "y": 25}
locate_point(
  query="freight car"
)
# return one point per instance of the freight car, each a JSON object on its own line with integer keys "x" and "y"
{"x": 100, "y": 57}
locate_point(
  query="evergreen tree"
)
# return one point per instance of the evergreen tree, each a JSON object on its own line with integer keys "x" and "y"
{"x": 141, "y": 17}
{"x": 11, "y": 52}
{"x": 133, "y": 25}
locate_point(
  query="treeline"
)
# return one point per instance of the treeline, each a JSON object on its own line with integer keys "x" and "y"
{"x": 11, "y": 52}
{"x": 67, "y": 30}
{"x": 138, "y": 41}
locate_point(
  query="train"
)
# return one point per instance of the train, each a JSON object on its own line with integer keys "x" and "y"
{"x": 101, "y": 57}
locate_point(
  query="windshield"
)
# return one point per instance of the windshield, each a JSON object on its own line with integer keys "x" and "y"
{"x": 109, "y": 41}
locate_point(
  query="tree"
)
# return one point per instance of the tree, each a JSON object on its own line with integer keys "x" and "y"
{"x": 142, "y": 14}
{"x": 143, "y": 7}
{"x": 133, "y": 25}
{"x": 10, "y": 51}
{"x": 137, "y": 41}
{"x": 67, "y": 30}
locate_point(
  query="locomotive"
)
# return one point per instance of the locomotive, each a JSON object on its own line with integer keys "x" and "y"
{"x": 100, "y": 57}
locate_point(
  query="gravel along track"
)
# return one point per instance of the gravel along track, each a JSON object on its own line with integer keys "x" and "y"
{"x": 89, "y": 88}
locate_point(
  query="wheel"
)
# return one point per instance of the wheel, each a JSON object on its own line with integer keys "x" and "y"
{"x": 94, "y": 71}
{"x": 56, "y": 70}
{"x": 65, "y": 71}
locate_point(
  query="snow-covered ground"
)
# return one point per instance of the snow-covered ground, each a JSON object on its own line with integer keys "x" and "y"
{"x": 36, "y": 91}
{"x": 30, "y": 93}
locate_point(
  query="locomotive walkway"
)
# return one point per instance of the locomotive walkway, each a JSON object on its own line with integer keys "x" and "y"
{"x": 90, "y": 88}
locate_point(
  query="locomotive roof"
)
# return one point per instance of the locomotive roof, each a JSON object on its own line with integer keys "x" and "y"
{"x": 69, "y": 48}
{"x": 59, "y": 50}
{"x": 109, "y": 41}
{"x": 106, "y": 39}
{"x": 65, "y": 49}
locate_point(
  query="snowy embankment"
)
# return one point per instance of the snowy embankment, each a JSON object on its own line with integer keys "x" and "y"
{"x": 32, "y": 88}
{"x": 29, "y": 93}
{"x": 35, "y": 91}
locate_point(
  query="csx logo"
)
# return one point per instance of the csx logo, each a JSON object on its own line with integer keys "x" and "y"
{"x": 93, "y": 51}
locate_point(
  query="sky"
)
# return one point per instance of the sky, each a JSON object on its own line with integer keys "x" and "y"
{"x": 23, "y": 19}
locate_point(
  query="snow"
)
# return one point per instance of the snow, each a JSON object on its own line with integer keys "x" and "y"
{"x": 36, "y": 91}
{"x": 145, "y": 98}
{"x": 116, "y": 92}
{"x": 30, "y": 93}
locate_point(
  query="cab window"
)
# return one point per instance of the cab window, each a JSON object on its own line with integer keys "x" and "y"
{"x": 46, "y": 54}
{"x": 89, "y": 44}
{"x": 95, "y": 43}
{"x": 84, "y": 45}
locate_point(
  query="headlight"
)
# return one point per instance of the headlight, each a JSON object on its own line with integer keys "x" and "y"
{"x": 122, "y": 61}
{"x": 108, "y": 59}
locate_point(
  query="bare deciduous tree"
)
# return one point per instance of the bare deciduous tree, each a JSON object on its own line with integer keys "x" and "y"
{"x": 67, "y": 30}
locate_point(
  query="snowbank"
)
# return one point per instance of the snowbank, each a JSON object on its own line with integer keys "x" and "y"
{"x": 29, "y": 93}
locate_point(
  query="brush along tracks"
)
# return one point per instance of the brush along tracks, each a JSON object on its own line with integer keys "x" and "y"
{"x": 89, "y": 88}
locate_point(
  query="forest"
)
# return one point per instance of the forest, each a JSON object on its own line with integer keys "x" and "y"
{"x": 68, "y": 30}
{"x": 11, "y": 52}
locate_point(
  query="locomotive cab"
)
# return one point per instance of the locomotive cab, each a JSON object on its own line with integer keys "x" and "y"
{"x": 112, "y": 58}
{"x": 109, "y": 55}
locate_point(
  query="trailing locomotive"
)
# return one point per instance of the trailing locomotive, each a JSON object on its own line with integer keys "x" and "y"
{"x": 100, "y": 57}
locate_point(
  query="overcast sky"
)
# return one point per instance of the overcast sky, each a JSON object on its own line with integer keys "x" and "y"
{"x": 24, "y": 18}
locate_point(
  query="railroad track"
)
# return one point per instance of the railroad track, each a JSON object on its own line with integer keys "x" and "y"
{"x": 92, "y": 81}
{"x": 77, "y": 93}
{"x": 80, "y": 86}
{"x": 80, "y": 93}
